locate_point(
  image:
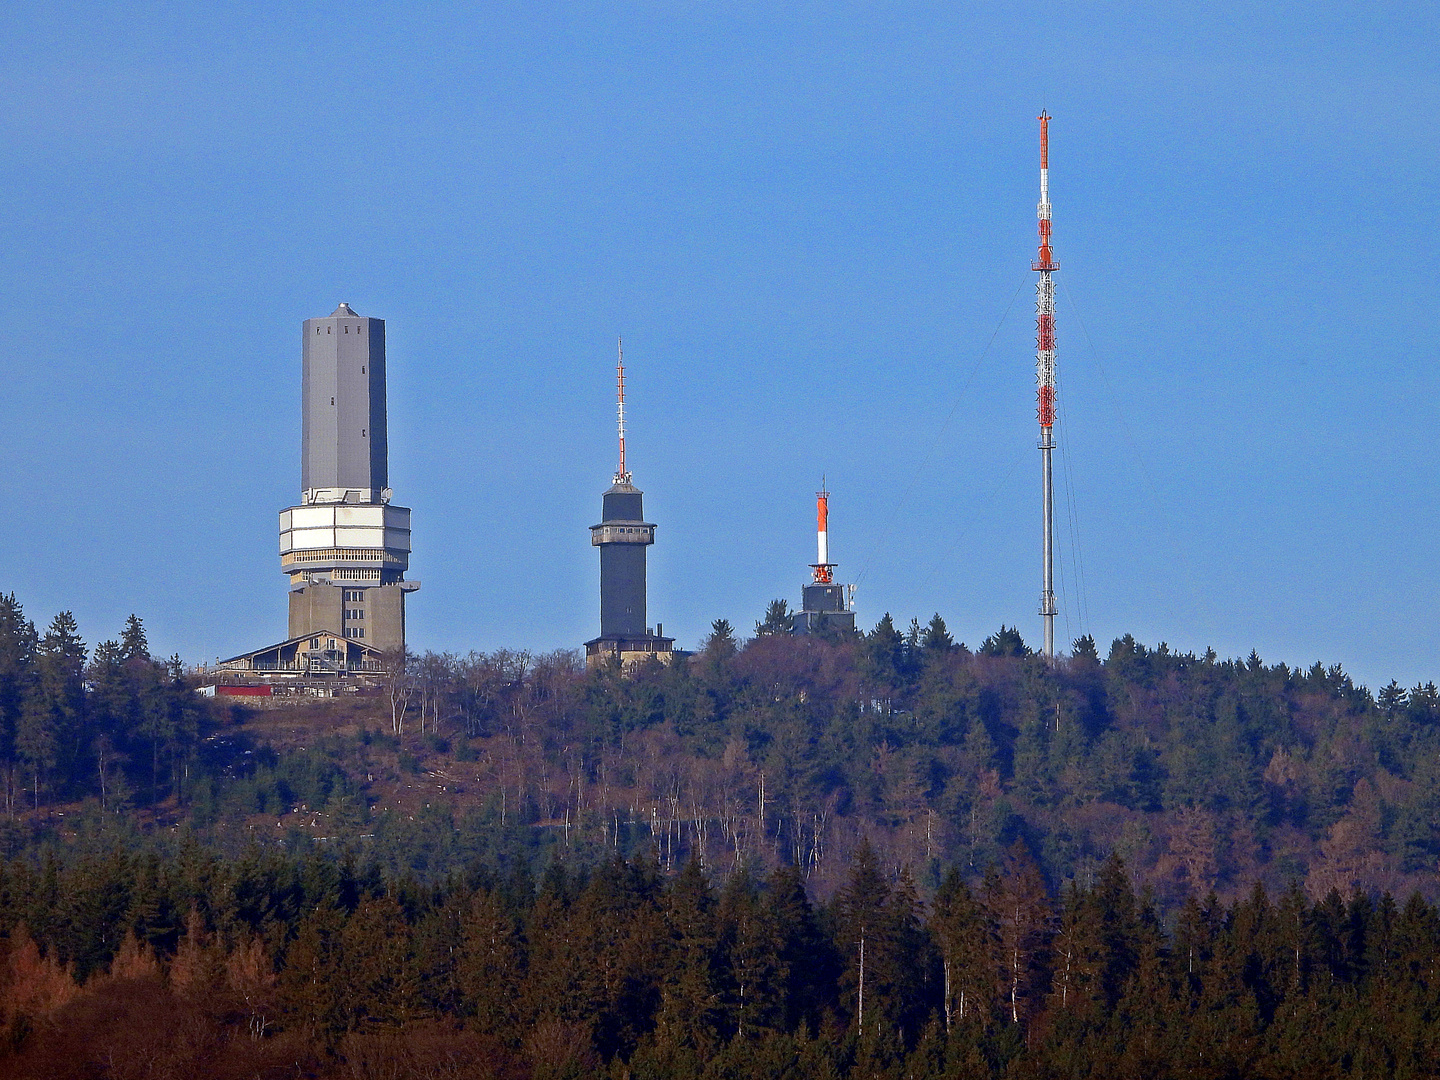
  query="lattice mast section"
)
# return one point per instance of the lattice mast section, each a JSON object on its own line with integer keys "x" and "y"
{"x": 622, "y": 475}
{"x": 1045, "y": 266}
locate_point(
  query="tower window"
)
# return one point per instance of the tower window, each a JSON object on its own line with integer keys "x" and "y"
{"x": 327, "y": 329}
{"x": 362, "y": 369}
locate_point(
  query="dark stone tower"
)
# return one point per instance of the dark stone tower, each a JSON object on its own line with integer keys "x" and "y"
{"x": 622, "y": 538}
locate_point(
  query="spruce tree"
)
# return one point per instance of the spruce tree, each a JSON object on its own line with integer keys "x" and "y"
{"x": 966, "y": 940}
{"x": 936, "y": 638}
{"x": 778, "y": 620}
{"x": 133, "y": 643}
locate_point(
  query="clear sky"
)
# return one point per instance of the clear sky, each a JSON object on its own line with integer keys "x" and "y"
{"x": 807, "y": 220}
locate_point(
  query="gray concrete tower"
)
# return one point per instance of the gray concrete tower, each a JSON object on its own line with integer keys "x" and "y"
{"x": 345, "y": 548}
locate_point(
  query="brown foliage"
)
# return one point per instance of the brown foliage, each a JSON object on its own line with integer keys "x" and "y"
{"x": 557, "y": 1049}
{"x": 1189, "y": 860}
{"x": 195, "y": 969}
{"x": 1351, "y": 855}
{"x": 35, "y": 986}
{"x": 426, "y": 1050}
{"x": 134, "y": 961}
{"x": 121, "y": 1028}
{"x": 250, "y": 976}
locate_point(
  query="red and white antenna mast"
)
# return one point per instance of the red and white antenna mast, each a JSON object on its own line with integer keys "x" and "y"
{"x": 823, "y": 567}
{"x": 621, "y": 476}
{"x": 1045, "y": 265}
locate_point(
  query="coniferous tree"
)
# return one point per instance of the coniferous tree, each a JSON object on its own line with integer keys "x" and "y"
{"x": 861, "y": 926}
{"x": 966, "y": 940}
{"x": 1083, "y": 649}
{"x": 778, "y": 620}
{"x": 1005, "y": 642}
{"x": 61, "y": 677}
{"x": 720, "y": 642}
{"x": 1116, "y": 928}
{"x": 133, "y": 643}
{"x": 1023, "y": 917}
{"x": 809, "y": 964}
{"x": 36, "y": 740}
{"x": 751, "y": 946}
{"x": 936, "y": 638}
{"x": 18, "y": 644}
{"x": 884, "y": 654}
{"x": 877, "y": 932}
{"x": 377, "y": 975}
{"x": 689, "y": 1014}
{"x": 1391, "y": 699}
{"x": 718, "y": 651}
{"x": 490, "y": 966}
{"x": 310, "y": 990}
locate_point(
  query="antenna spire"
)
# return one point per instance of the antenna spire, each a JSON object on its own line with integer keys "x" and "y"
{"x": 824, "y": 569}
{"x": 1045, "y": 265}
{"x": 621, "y": 475}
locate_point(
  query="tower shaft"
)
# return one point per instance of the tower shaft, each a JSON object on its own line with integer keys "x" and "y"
{"x": 346, "y": 547}
{"x": 1045, "y": 266}
{"x": 622, "y": 537}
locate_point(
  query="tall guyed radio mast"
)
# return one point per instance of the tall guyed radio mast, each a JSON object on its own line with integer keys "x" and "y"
{"x": 1045, "y": 266}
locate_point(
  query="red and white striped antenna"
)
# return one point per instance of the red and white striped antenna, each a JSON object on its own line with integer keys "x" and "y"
{"x": 621, "y": 475}
{"x": 823, "y": 567}
{"x": 1045, "y": 265}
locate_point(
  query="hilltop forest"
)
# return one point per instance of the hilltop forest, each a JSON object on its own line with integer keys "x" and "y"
{"x": 1201, "y": 773}
{"x": 506, "y": 865}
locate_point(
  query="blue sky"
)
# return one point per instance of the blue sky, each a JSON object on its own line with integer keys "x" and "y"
{"x": 807, "y": 220}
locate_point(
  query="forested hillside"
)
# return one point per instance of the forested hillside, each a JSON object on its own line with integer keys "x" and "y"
{"x": 271, "y": 966}
{"x": 1201, "y": 773}
{"x": 879, "y": 855}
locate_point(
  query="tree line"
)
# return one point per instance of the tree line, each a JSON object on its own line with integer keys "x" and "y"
{"x": 117, "y": 725}
{"x": 1203, "y": 772}
{"x": 120, "y": 965}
